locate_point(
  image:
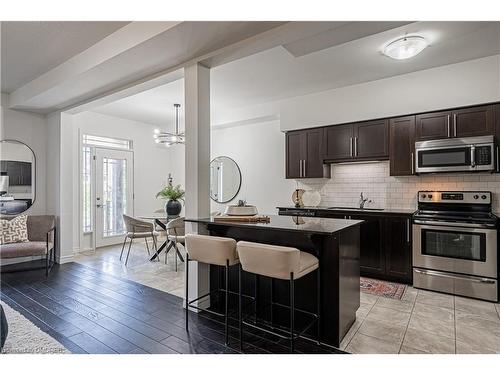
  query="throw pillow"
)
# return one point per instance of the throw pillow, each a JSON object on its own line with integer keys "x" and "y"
{"x": 14, "y": 230}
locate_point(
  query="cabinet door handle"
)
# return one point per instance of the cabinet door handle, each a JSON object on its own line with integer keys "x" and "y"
{"x": 455, "y": 125}
{"x": 304, "y": 168}
{"x": 350, "y": 147}
{"x": 412, "y": 163}
{"x": 300, "y": 168}
{"x": 448, "y": 122}
{"x": 498, "y": 166}
{"x": 355, "y": 146}
{"x": 408, "y": 230}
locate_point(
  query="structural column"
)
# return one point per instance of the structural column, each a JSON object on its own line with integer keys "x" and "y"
{"x": 197, "y": 154}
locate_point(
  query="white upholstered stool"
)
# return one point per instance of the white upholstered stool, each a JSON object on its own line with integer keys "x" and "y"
{"x": 219, "y": 251}
{"x": 284, "y": 263}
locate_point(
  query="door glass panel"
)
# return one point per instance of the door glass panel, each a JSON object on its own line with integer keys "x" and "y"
{"x": 460, "y": 245}
{"x": 114, "y": 195}
{"x": 445, "y": 157}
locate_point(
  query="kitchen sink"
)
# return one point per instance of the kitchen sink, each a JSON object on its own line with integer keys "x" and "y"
{"x": 355, "y": 209}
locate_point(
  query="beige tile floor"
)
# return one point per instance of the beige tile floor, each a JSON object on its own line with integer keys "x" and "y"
{"x": 156, "y": 275}
{"x": 422, "y": 322}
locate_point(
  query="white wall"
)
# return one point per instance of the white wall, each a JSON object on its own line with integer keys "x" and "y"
{"x": 470, "y": 82}
{"x": 30, "y": 129}
{"x": 151, "y": 162}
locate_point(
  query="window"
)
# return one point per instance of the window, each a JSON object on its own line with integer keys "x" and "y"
{"x": 87, "y": 189}
{"x": 95, "y": 140}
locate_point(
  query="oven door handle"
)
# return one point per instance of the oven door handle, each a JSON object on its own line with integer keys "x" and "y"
{"x": 482, "y": 280}
{"x": 451, "y": 224}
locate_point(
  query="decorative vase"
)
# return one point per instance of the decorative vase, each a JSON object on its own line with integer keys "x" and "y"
{"x": 173, "y": 207}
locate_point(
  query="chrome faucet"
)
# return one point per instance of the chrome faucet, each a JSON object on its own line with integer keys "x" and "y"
{"x": 362, "y": 201}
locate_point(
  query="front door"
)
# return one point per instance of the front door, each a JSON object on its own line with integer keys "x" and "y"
{"x": 114, "y": 195}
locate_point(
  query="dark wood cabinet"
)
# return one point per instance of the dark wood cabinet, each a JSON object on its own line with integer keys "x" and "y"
{"x": 433, "y": 125}
{"x": 304, "y": 157}
{"x": 371, "y": 140}
{"x": 398, "y": 249}
{"x": 338, "y": 142}
{"x": 359, "y": 141}
{"x": 372, "y": 255}
{"x": 465, "y": 122}
{"x": 19, "y": 172}
{"x": 402, "y": 146}
{"x": 474, "y": 121}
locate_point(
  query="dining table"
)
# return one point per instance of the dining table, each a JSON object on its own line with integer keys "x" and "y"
{"x": 161, "y": 219}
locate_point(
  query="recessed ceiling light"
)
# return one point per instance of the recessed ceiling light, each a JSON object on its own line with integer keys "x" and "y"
{"x": 406, "y": 47}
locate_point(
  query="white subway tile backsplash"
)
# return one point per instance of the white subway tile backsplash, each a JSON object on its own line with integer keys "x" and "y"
{"x": 373, "y": 179}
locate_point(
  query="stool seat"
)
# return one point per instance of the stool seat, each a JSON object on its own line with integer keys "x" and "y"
{"x": 275, "y": 261}
{"x": 211, "y": 249}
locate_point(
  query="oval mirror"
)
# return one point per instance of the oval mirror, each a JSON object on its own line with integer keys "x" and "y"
{"x": 17, "y": 177}
{"x": 225, "y": 179}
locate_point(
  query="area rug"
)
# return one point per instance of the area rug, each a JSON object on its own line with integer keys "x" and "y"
{"x": 26, "y": 338}
{"x": 382, "y": 288}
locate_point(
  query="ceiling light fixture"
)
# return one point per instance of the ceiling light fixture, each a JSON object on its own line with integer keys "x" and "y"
{"x": 167, "y": 138}
{"x": 406, "y": 47}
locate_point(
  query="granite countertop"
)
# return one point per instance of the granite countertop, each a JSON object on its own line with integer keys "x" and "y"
{"x": 307, "y": 225}
{"x": 406, "y": 211}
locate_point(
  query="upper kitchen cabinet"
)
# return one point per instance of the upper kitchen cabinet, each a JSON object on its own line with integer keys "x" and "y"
{"x": 466, "y": 122}
{"x": 304, "y": 154}
{"x": 475, "y": 121}
{"x": 402, "y": 146}
{"x": 338, "y": 142}
{"x": 371, "y": 140}
{"x": 359, "y": 141}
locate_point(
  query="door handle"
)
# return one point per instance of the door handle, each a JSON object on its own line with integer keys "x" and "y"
{"x": 475, "y": 279}
{"x": 408, "y": 230}
{"x": 498, "y": 166}
{"x": 448, "y": 122}
{"x": 300, "y": 168}
{"x": 472, "y": 156}
{"x": 350, "y": 147}
{"x": 355, "y": 146}
{"x": 304, "y": 168}
{"x": 412, "y": 163}
{"x": 455, "y": 124}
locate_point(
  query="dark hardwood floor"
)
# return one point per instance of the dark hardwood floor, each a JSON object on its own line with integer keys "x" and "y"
{"x": 93, "y": 312}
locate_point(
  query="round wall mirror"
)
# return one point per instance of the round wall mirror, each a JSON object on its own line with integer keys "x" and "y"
{"x": 225, "y": 179}
{"x": 17, "y": 177}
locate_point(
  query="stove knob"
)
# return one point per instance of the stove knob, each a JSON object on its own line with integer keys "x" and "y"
{"x": 476, "y": 196}
{"x": 483, "y": 196}
{"x": 430, "y": 196}
{"x": 423, "y": 196}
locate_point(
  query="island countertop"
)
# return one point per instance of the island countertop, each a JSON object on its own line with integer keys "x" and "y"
{"x": 305, "y": 225}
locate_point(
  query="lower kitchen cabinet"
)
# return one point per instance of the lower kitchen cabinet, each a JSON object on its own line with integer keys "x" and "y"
{"x": 386, "y": 243}
{"x": 398, "y": 249}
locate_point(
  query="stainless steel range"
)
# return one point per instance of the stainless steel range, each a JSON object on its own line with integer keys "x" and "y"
{"x": 455, "y": 244}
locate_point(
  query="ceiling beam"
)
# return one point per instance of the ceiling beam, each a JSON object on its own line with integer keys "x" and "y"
{"x": 111, "y": 46}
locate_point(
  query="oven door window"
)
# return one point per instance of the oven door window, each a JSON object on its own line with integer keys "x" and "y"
{"x": 449, "y": 157}
{"x": 459, "y": 245}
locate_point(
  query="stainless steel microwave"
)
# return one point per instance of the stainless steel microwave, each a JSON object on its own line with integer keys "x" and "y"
{"x": 455, "y": 155}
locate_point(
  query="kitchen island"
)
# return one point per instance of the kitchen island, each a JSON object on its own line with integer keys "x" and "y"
{"x": 335, "y": 242}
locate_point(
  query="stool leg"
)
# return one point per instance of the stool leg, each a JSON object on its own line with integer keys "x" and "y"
{"x": 272, "y": 301}
{"x": 226, "y": 317}
{"x": 256, "y": 305}
{"x": 128, "y": 253}
{"x": 187, "y": 291}
{"x": 240, "y": 312}
{"x": 123, "y": 247}
{"x": 292, "y": 311}
{"x": 318, "y": 286}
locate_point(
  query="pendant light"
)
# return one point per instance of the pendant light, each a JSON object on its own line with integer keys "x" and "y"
{"x": 167, "y": 138}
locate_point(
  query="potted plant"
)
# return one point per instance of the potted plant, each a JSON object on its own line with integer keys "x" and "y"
{"x": 173, "y": 194}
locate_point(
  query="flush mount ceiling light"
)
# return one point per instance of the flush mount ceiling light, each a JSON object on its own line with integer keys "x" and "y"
{"x": 167, "y": 138}
{"x": 406, "y": 47}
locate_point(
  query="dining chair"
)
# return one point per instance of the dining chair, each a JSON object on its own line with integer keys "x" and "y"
{"x": 137, "y": 228}
{"x": 175, "y": 236}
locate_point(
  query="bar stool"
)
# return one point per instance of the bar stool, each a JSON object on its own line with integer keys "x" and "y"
{"x": 284, "y": 263}
{"x": 219, "y": 251}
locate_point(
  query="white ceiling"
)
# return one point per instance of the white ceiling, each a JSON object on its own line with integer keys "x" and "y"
{"x": 30, "y": 49}
{"x": 276, "y": 74}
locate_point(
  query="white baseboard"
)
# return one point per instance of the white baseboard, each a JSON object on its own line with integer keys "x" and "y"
{"x": 65, "y": 259}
